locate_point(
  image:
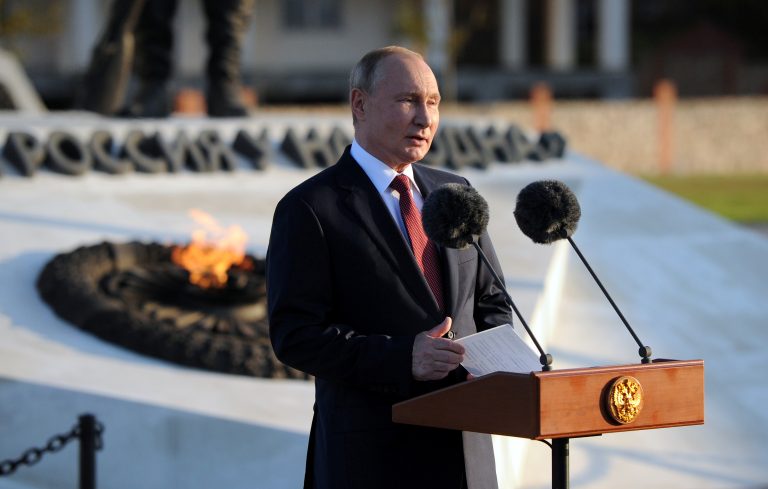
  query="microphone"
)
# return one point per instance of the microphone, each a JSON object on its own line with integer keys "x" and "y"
{"x": 547, "y": 211}
{"x": 454, "y": 216}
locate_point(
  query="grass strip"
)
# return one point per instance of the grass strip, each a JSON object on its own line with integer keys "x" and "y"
{"x": 742, "y": 198}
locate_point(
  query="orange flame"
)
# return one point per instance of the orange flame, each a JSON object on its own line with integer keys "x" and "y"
{"x": 212, "y": 252}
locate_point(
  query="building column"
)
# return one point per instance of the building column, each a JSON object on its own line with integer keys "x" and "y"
{"x": 613, "y": 35}
{"x": 84, "y": 19}
{"x": 561, "y": 34}
{"x": 514, "y": 34}
{"x": 190, "y": 50}
{"x": 439, "y": 20}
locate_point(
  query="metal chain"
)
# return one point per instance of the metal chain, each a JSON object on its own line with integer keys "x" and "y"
{"x": 55, "y": 443}
{"x": 99, "y": 430}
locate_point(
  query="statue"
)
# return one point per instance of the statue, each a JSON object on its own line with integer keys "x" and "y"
{"x": 139, "y": 34}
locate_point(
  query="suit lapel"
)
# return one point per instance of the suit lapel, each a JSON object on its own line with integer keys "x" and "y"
{"x": 363, "y": 200}
{"x": 449, "y": 260}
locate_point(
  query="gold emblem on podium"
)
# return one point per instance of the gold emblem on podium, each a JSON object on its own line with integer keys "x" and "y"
{"x": 624, "y": 399}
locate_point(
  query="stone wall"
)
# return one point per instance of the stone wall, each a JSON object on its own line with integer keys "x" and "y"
{"x": 723, "y": 135}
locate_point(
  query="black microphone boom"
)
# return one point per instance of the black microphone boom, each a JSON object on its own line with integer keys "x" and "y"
{"x": 548, "y": 211}
{"x": 454, "y": 216}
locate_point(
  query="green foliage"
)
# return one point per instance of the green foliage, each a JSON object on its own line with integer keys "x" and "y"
{"x": 743, "y": 198}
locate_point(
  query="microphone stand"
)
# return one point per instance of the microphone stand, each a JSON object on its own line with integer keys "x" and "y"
{"x": 644, "y": 351}
{"x": 545, "y": 358}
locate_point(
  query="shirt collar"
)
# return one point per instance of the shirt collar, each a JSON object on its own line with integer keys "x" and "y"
{"x": 380, "y": 173}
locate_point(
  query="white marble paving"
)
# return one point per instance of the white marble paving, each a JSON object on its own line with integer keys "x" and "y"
{"x": 692, "y": 285}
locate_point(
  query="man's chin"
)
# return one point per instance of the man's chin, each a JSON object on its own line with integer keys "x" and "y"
{"x": 416, "y": 154}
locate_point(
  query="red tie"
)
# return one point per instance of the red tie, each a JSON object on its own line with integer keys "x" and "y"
{"x": 424, "y": 250}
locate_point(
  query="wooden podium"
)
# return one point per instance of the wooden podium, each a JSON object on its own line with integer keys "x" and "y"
{"x": 563, "y": 404}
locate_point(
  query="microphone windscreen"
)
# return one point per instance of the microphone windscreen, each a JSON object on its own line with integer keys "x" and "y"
{"x": 454, "y": 214}
{"x": 547, "y": 211}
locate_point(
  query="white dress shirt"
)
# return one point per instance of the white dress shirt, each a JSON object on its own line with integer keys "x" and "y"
{"x": 381, "y": 176}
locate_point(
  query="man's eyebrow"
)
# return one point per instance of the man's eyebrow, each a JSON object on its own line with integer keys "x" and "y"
{"x": 416, "y": 93}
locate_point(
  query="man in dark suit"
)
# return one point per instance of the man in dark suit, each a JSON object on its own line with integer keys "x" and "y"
{"x": 362, "y": 300}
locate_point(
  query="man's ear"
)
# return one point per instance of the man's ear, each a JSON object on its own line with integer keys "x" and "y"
{"x": 358, "y": 99}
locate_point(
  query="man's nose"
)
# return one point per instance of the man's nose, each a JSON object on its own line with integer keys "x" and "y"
{"x": 424, "y": 115}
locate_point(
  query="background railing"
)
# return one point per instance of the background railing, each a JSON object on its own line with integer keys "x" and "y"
{"x": 88, "y": 430}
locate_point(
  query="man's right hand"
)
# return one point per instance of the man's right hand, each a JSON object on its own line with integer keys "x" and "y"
{"x": 435, "y": 357}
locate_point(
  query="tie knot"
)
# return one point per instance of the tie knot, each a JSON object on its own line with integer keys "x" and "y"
{"x": 401, "y": 183}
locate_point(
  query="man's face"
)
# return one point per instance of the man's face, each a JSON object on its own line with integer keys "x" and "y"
{"x": 397, "y": 122}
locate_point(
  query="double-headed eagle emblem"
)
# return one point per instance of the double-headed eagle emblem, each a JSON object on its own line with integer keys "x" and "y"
{"x": 624, "y": 399}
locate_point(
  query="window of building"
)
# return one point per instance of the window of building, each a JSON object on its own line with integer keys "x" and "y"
{"x": 311, "y": 14}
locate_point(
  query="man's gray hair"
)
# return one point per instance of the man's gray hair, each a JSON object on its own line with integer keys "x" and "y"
{"x": 365, "y": 73}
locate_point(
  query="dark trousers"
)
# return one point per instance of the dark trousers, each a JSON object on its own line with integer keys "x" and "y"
{"x": 227, "y": 23}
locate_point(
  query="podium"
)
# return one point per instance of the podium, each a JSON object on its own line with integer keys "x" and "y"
{"x": 564, "y": 404}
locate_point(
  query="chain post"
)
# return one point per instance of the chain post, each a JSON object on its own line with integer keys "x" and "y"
{"x": 88, "y": 430}
{"x": 88, "y": 445}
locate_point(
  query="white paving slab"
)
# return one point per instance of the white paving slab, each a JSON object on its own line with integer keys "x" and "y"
{"x": 183, "y": 427}
{"x": 692, "y": 285}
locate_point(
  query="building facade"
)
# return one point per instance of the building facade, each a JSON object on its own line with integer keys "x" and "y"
{"x": 302, "y": 50}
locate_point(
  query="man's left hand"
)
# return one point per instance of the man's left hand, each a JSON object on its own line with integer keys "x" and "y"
{"x": 434, "y": 357}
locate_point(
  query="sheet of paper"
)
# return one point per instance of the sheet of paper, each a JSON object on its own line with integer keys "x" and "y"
{"x": 498, "y": 349}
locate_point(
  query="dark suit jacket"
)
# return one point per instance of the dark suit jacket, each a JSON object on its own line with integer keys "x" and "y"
{"x": 346, "y": 299}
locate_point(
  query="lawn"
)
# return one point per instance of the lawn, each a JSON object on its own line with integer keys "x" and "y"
{"x": 743, "y": 198}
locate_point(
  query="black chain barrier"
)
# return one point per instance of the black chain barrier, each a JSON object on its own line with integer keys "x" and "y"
{"x": 88, "y": 430}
